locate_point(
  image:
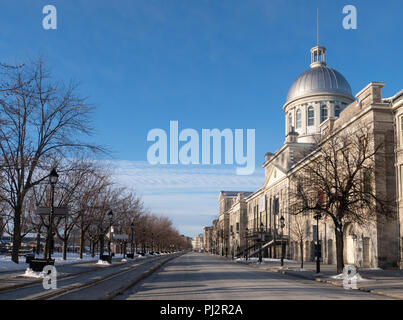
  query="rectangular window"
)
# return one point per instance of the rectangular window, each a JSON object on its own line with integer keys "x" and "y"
{"x": 310, "y": 116}
{"x": 237, "y": 226}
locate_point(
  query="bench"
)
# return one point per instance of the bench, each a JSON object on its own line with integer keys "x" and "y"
{"x": 37, "y": 265}
{"x": 29, "y": 257}
{"x": 106, "y": 257}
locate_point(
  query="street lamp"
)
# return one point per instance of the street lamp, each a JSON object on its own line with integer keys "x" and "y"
{"x": 132, "y": 237}
{"x": 261, "y": 241}
{"x": 144, "y": 241}
{"x": 110, "y": 216}
{"x": 246, "y": 237}
{"x": 233, "y": 246}
{"x": 317, "y": 246}
{"x": 282, "y": 225}
{"x": 152, "y": 242}
{"x": 53, "y": 177}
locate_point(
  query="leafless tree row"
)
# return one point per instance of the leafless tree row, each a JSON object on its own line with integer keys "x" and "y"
{"x": 44, "y": 124}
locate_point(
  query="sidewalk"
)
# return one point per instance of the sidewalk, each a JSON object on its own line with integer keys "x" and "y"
{"x": 383, "y": 282}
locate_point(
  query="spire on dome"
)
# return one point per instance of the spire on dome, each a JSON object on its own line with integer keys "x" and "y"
{"x": 318, "y": 56}
{"x": 318, "y": 52}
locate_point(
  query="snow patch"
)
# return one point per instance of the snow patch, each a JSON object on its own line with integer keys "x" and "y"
{"x": 33, "y": 274}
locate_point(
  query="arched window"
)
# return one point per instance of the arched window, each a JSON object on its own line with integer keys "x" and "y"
{"x": 310, "y": 117}
{"x": 299, "y": 120}
{"x": 323, "y": 113}
{"x": 289, "y": 122}
{"x": 337, "y": 111}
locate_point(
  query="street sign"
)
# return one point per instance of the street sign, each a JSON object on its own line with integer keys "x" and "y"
{"x": 120, "y": 237}
{"x": 58, "y": 211}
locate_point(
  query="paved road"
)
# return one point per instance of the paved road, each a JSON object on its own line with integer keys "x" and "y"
{"x": 204, "y": 276}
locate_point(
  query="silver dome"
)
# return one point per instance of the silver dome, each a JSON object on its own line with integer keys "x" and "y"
{"x": 320, "y": 79}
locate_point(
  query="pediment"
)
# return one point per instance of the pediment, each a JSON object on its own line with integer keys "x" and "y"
{"x": 275, "y": 173}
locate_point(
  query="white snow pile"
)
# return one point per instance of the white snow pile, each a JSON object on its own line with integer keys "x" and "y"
{"x": 124, "y": 260}
{"x": 33, "y": 274}
{"x": 7, "y": 265}
{"x": 356, "y": 277}
{"x": 105, "y": 263}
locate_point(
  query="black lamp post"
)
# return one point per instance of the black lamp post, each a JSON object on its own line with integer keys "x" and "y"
{"x": 144, "y": 241}
{"x": 282, "y": 225}
{"x": 110, "y": 216}
{"x": 132, "y": 237}
{"x": 233, "y": 246}
{"x": 152, "y": 242}
{"x": 317, "y": 247}
{"x": 53, "y": 177}
{"x": 246, "y": 238}
{"x": 261, "y": 242}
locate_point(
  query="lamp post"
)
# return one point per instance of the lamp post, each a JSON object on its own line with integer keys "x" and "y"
{"x": 53, "y": 177}
{"x": 246, "y": 238}
{"x": 317, "y": 246}
{"x": 132, "y": 237}
{"x": 233, "y": 246}
{"x": 110, "y": 216}
{"x": 261, "y": 242}
{"x": 152, "y": 242}
{"x": 144, "y": 241}
{"x": 282, "y": 224}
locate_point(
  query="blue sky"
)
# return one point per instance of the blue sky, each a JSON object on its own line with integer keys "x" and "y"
{"x": 206, "y": 63}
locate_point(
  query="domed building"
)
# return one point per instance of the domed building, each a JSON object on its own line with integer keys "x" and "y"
{"x": 320, "y": 104}
{"x": 317, "y": 94}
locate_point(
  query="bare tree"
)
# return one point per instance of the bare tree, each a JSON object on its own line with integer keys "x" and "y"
{"x": 299, "y": 233}
{"x": 40, "y": 119}
{"x": 338, "y": 178}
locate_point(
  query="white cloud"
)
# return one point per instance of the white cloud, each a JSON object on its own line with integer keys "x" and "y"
{"x": 186, "y": 194}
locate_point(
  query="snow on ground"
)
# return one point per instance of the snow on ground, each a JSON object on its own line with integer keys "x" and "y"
{"x": 267, "y": 260}
{"x": 7, "y": 265}
{"x": 356, "y": 277}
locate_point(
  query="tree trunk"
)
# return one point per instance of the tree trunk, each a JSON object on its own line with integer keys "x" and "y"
{"x": 16, "y": 235}
{"x": 38, "y": 242}
{"x": 45, "y": 248}
{"x": 101, "y": 245}
{"x": 92, "y": 249}
{"x": 81, "y": 242}
{"x": 65, "y": 239}
{"x": 65, "y": 248}
{"x": 301, "y": 247}
{"x": 339, "y": 251}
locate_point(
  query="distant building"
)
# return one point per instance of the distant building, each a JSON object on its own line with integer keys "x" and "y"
{"x": 197, "y": 243}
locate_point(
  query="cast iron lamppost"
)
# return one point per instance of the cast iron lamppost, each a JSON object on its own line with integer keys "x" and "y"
{"x": 282, "y": 225}
{"x": 53, "y": 177}
{"x": 317, "y": 217}
{"x": 110, "y": 216}
{"x": 132, "y": 237}
{"x": 233, "y": 247}
{"x": 246, "y": 237}
{"x": 261, "y": 242}
{"x": 144, "y": 241}
{"x": 152, "y": 242}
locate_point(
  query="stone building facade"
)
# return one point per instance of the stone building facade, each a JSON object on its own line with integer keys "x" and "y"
{"x": 320, "y": 102}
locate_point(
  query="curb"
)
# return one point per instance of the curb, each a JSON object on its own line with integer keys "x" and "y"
{"x": 332, "y": 282}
